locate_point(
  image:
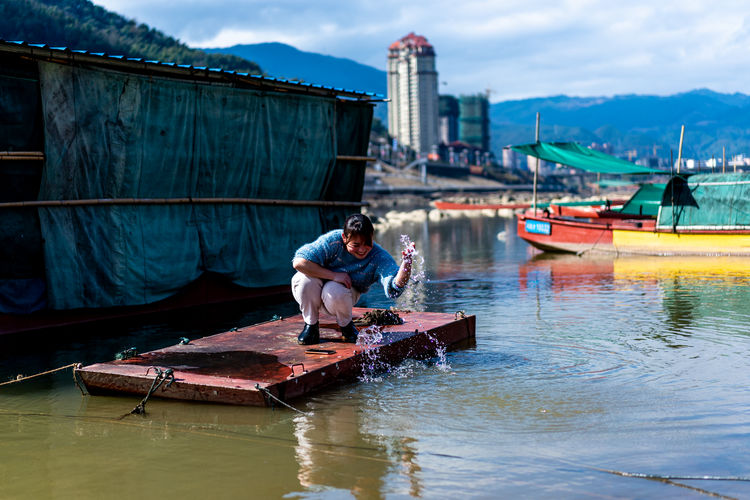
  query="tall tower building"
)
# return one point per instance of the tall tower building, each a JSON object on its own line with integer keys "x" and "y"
{"x": 413, "y": 93}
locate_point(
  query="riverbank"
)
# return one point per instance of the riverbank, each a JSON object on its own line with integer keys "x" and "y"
{"x": 404, "y": 197}
{"x": 395, "y": 196}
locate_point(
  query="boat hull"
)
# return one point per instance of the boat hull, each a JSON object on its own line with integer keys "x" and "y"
{"x": 640, "y": 237}
{"x": 242, "y": 366}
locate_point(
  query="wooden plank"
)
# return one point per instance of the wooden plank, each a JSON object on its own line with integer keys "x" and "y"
{"x": 180, "y": 201}
{"x": 225, "y": 368}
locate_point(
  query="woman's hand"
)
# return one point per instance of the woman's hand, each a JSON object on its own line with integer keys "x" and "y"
{"x": 404, "y": 271}
{"x": 317, "y": 271}
{"x": 407, "y": 254}
{"x": 343, "y": 278}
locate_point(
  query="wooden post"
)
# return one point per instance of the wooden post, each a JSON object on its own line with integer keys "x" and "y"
{"x": 679, "y": 151}
{"x": 536, "y": 169}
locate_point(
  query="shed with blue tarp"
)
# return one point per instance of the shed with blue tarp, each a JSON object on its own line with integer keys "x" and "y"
{"x": 124, "y": 180}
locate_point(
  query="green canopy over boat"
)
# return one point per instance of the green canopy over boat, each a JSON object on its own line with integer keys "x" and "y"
{"x": 706, "y": 201}
{"x": 577, "y": 156}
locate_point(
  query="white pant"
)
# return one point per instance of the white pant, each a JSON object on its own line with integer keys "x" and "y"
{"x": 315, "y": 295}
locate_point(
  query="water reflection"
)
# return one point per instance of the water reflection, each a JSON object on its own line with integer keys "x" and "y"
{"x": 689, "y": 290}
{"x": 335, "y": 451}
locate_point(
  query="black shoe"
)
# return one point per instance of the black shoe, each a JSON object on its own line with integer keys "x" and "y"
{"x": 349, "y": 332}
{"x": 310, "y": 335}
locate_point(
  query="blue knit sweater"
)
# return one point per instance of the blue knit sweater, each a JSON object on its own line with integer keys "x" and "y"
{"x": 330, "y": 252}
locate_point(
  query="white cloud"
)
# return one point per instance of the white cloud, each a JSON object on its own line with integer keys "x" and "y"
{"x": 519, "y": 48}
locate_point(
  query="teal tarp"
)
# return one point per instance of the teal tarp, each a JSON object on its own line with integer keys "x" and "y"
{"x": 645, "y": 201}
{"x": 575, "y": 155}
{"x": 22, "y": 286}
{"x": 117, "y": 135}
{"x": 706, "y": 201}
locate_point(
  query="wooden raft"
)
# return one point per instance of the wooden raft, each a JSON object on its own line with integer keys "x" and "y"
{"x": 239, "y": 366}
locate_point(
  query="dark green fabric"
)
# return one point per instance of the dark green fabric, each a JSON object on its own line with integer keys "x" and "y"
{"x": 21, "y": 262}
{"x": 353, "y": 121}
{"x": 117, "y": 135}
{"x": 706, "y": 201}
{"x": 645, "y": 201}
{"x": 575, "y": 155}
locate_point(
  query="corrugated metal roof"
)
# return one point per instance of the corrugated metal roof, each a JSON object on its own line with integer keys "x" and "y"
{"x": 45, "y": 52}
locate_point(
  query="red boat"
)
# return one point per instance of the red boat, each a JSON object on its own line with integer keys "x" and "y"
{"x": 257, "y": 364}
{"x": 449, "y": 205}
{"x": 701, "y": 214}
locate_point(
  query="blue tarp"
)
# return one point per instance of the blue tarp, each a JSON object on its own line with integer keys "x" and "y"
{"x": 119, "y": 135}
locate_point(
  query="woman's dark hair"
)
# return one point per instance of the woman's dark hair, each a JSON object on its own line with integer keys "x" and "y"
{"x": 359, "y": 225}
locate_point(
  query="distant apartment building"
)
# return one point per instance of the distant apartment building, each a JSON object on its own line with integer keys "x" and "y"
{"x": 511, "y": 159}
{"x": 448, "y": 119}
{"x": 474, "y": 121}
{"x": 413, "y": 93}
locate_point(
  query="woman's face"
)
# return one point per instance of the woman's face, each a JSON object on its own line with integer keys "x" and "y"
{"x": 357, "y": 246}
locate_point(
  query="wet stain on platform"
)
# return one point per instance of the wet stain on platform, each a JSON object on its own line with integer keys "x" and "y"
{"x": 236, "y": 364}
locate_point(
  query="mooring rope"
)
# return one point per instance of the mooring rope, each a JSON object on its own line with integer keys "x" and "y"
{"x": 21, "y": 378}
{"x": 677, "y": 478}
{"x": 161, "y": 377}
{"x": 268, "y": 393}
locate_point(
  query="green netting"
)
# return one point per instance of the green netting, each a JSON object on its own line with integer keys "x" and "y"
{"x": 645, "y": 201}
{"x": 575, "y": 155}
{"x": 118, "y": 135}
{"x": 706, "y": 201}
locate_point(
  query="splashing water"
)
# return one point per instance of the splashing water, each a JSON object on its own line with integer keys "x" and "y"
{"x": 414, "y": 296}
{"x": 442, "y": 361}
{"x": 372, "y": 365}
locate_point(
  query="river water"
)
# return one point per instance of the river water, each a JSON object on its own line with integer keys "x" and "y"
{"x": 583, "y": 369}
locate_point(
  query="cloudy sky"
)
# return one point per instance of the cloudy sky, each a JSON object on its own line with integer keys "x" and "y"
{"x": 515, "y": 48}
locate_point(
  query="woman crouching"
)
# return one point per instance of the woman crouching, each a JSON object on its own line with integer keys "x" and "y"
{"x": 336, "y": 269}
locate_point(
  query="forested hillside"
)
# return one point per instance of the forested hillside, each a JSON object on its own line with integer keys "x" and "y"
{"x": 79, "y": 24}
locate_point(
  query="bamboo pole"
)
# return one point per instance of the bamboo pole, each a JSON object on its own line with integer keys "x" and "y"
{"x": 37, "y": 155}
{"x": 355, "y": 158}
{"x": 179, "y": 201}
{"x": 679, "y": 151}
{"x": 536, "y": 168}
{"x": 22, "y": 155}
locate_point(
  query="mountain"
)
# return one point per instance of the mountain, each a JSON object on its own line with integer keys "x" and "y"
{"x": 284, "y": 61}
{"x": 79, "y": 24}
{"x": 644, "y": 123}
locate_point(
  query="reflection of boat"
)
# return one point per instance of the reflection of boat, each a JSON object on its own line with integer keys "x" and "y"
{"x": 247, "y": 366}
{"x": 564, "y": 271}
{"x": 131, "y": 186}
{"x": 690, "y": 267}
{"x": 703, "y": 214}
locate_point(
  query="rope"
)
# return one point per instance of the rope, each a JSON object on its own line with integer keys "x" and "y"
{"x": 581, "y": 252}
{"x": 268, "y": 393}
{"x": 21, "y": 378}
{"x": 161, "y": 377}
{"x": 670, "y": 480}
{"x": 677, "y": 478}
